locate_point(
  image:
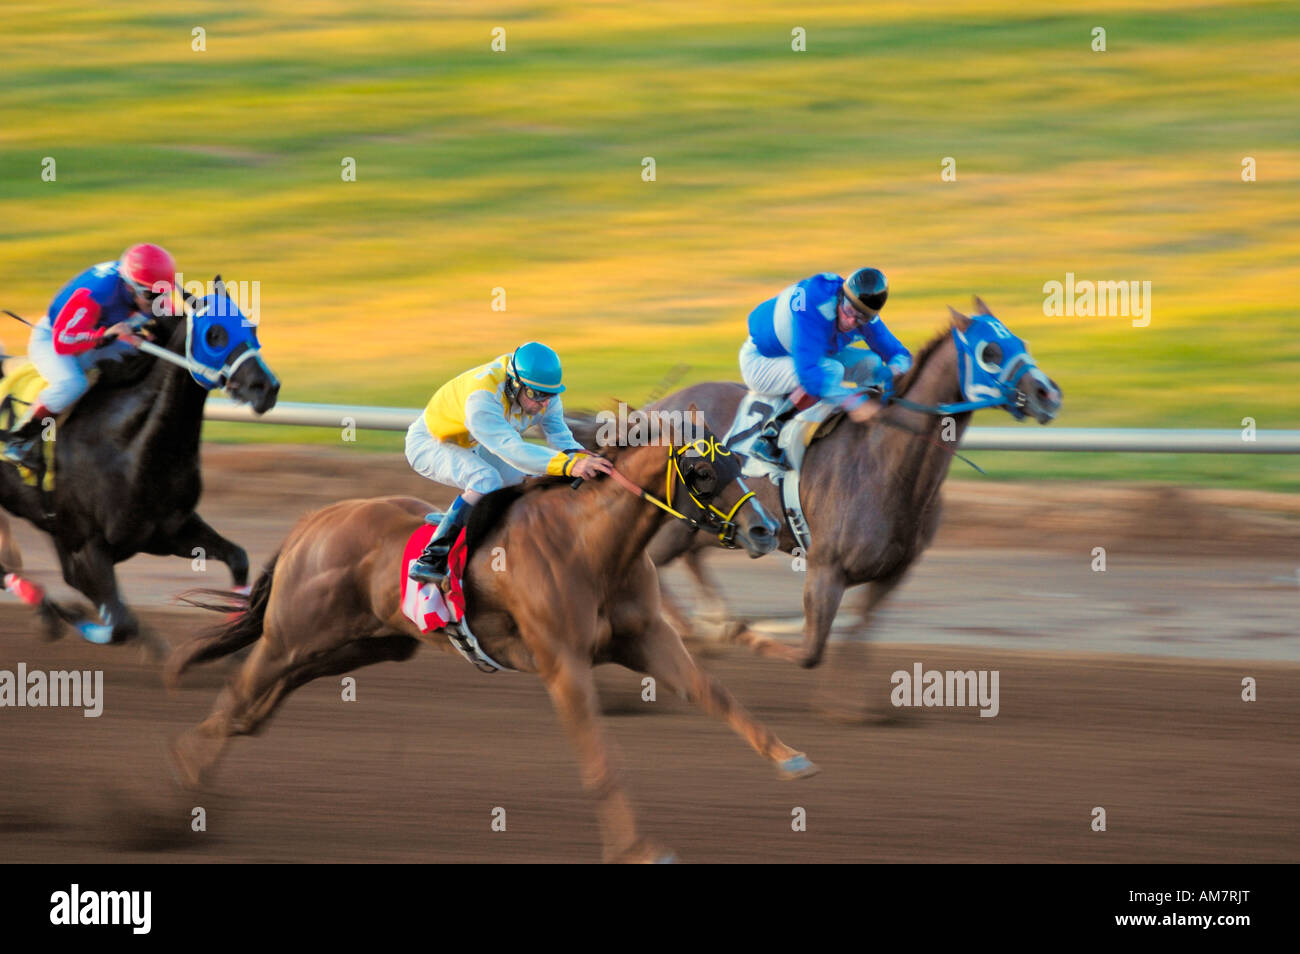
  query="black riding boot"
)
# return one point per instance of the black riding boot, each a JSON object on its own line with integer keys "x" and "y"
{"x": 431, "y": 567}
{"x": 765, "y": 447}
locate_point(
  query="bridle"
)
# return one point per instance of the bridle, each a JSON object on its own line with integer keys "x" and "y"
{"x": 714, "y": 518}
{"x": 1009, "y": 394}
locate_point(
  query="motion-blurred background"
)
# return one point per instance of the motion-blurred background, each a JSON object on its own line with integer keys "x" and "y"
{"x": 523, "y": 169}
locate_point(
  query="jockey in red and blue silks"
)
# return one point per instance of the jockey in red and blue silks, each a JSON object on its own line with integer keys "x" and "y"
{"x": 81, "y": 328}
{"x": 799, "y": 349}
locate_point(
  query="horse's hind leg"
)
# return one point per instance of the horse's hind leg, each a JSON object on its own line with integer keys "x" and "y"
{"x": 195, "y": 535}
{"x": 258, "y": 689}
{"x": 660, "y": 653}
{"x": 30, "y": 592}
{"x": 728, "y": 629}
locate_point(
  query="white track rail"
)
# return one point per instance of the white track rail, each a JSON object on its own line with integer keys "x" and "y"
{"x": 1026, "y": 437}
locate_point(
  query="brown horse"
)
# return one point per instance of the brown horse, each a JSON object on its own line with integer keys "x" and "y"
{"x": 578, "y": 590}
{"x": 870, "y": 492}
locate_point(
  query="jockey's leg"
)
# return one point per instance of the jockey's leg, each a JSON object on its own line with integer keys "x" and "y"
{"x": 863, "y": 366}
{"x": 65, "y": 382}
{"x": 772, "y": 379}
{"x": 457, "y": 516}
{"x": 454, "y": 466}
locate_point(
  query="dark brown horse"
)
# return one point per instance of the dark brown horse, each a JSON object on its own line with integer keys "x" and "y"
{"x": 870, "y": 492}
{"x": 577, "y": 590}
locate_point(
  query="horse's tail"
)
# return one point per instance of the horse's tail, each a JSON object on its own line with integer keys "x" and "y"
{"x": 244, "y": 628}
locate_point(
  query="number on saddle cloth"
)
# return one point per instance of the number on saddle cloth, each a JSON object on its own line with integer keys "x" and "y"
{"x": 753, "y": 411}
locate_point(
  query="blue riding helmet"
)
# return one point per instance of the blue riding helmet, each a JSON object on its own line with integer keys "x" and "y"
{"x": 219, "y": 338}
{"x": 536, "y": 366}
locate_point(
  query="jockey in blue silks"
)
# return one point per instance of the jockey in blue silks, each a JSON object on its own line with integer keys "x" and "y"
{"x": 798, "y": 351}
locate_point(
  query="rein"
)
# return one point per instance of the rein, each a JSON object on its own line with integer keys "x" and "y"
{"x": 724, "y": 522}
{"x": 1009, "y": 397}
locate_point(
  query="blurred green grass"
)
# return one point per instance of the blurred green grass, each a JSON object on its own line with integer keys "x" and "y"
{"x": 523, "y": 170}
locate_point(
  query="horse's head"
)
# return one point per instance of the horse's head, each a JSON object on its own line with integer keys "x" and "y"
{"x": 704, "y": 485}
{"x": 993, "y": 364}
{"x": 222, "y": 346}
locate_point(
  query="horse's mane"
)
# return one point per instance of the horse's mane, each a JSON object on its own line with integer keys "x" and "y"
{"x": 583, "y": 425}
{"x": 489, "y": 512}
{"x": 927, "y": 351}
{"x": 132, "y": 368}
{"x": 125, "y": 372}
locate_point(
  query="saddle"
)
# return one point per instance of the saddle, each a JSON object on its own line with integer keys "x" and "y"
{"x": 796, "y": 435}
{"x": 432, "y": 608}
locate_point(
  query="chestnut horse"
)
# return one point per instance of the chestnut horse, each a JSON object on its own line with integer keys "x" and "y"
{"x": 578, "y": 590}
{"x": 870, "y": 493}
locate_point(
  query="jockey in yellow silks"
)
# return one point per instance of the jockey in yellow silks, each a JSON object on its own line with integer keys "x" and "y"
{"x": 469, "y": 438}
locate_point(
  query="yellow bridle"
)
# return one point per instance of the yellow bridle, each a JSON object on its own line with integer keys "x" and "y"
{"x": 709, "y": 449}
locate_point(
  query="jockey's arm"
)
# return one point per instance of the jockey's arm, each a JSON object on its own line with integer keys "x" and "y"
{"x": 810, "y": 346}
{"x": 556, "y": 430}
{"x": 487, "y": 424}
{"x": 882, "y": 341}
{"x": 74, "y": 326}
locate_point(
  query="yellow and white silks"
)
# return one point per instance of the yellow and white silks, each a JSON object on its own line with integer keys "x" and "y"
{"x": 469, "y": 434}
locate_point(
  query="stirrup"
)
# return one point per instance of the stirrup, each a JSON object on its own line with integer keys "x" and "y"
{"x": 423, "y": 572}
{"x": 764, "y": 449}
{"x": 19, "y": 451}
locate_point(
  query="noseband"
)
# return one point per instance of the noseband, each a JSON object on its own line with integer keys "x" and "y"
{"x": 715, "y": 519}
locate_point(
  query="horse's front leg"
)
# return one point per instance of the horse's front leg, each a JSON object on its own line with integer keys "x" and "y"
{"x": 569, "y": 680}
{"x": 658, "y": 651}
{"x": 195, "y": 539}
{"x": 847, "y": 690}
{"x": 89, "y": 569}
{"x": 822, "y": 592}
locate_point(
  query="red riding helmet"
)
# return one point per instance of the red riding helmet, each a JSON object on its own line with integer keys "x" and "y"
{"x": 145, "y": 266}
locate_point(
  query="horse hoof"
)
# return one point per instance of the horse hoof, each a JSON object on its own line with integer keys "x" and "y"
{"x": 644, "y": 853}
{"x": 183, "y": 770}
{"x": 97, "y": 633}
{"x": 797, "y": 766}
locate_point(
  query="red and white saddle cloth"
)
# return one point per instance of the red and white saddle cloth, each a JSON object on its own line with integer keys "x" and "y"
{"x": 425, "y": 605}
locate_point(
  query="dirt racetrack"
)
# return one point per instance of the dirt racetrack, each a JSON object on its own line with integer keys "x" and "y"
{"x": 413, "y": 769}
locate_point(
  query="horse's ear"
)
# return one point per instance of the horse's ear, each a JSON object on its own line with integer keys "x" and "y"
{"x": 980, "y": 307}
{"x": 958, "y": 319}
{"x": 695, "y": 417}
